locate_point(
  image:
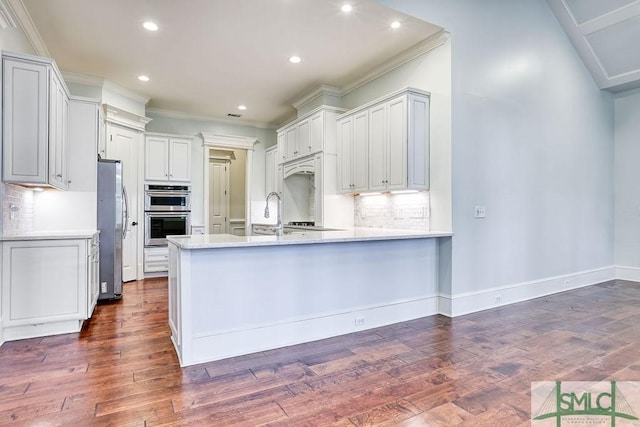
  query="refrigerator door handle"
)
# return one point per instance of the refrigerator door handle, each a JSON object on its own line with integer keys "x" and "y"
{"x": 125, "y": 212}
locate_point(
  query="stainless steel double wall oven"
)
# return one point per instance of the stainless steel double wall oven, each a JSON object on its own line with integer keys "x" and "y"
{"x": 167, "y": 212}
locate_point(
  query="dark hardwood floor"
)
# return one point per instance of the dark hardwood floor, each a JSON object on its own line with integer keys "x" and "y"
{"x": 476, "y": 370}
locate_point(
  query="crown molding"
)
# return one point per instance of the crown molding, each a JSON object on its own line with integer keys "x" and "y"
{"x": 402, "y": 58}
{"x": 201, "y": 118}
{"x": 125, "y": 118}
{"x": 7, "y": 18}
{"x": 228, "y": 141}
{"x": 321, "y": 91}
{"x": 127, "y": 93}
{"x": 23, "y": 18}
{"x": 83, "y": 79}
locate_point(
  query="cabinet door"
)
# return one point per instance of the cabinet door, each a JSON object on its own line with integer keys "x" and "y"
{"x": 345, "y": 154}
{"x": 360, "y": 162}
{"x": 397, "y": 144}
{"x": 318, "y": 185}
{"x": 282, "y": 148}
{"x": 58, "y": 132}
{"x": 44, "y": 281}
{"x": 291, "y": 142}
{"x": 25, "y": 126}
{"x": 316, "y": 140}
{"x": 156, "y": 158}
{"x": 94, "y": 276}
{"x": 303, "y": 140}
{"x": 418, "y": 142}
{"x": 378, "y": 147}
{"x": 270, "y": 171}
{"x": 84, "y": 125}
{"x": 180, "y": 159}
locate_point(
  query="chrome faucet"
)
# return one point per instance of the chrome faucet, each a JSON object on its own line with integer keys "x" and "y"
{"x": 279, "y": 225}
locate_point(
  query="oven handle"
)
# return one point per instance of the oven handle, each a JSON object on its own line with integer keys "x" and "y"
{"x": 125, "y": 213}
{"x": 151, "y": 214}
{"x": 167, "y": 193}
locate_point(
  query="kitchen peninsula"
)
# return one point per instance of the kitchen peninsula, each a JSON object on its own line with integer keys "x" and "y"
{"x": 232, "y": 295}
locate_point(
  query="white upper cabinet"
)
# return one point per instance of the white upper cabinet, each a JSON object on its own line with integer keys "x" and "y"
{"x": 167, "y": 158}
{"x": 394, "y": 146}
{"x": 35, "y": 122}
{"x": 309, "y": 134}
{"x": 271, "y": 171}
{"x": 353, "y": 139}
{"x": 86, "y": 130}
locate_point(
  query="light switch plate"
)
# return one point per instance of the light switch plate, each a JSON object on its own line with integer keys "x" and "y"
{"x": 480, "y": 212}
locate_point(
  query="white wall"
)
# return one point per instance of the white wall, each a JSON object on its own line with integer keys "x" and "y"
{"x": 192, "y": 127}
{"x": 532, "y": 141}
{"x": 627, "y": 181}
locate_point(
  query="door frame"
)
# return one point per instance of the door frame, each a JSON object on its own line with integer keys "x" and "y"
{"x": 228, "y": 142}
{"x": 227, "y": 196}
{"x": 125, "y": 119}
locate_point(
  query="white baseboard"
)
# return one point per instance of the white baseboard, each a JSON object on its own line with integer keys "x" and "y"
{"x": 471, "y": 302}
{"x": 624, "y": 272}
{"x": 215, "y": 346}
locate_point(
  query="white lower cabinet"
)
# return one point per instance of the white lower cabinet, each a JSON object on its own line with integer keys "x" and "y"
{"x": 156, "y": 259}
{"x": 49, "y": 287}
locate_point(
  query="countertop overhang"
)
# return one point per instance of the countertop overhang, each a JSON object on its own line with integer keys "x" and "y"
{"x": 49, "y": 235}
{"x": 215, "y": 241}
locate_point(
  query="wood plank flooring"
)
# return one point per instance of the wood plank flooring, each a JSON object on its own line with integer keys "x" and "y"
{"x": 474, "y": 370}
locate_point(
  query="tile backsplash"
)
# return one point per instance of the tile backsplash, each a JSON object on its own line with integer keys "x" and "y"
{"x": 17, "y": 209}
{"x": 407, "y": 211}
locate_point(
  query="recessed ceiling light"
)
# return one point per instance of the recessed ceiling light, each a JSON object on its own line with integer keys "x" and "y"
{"x": 242, "y": 107}
{"x": 395, "y": 24}
{"x": 346, "y": 8}
{"x": 151, "y": 26}
{"x": 143, "y": 78}
{"x": 295, "y": 59}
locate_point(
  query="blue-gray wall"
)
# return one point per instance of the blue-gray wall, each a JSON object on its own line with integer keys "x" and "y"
{"x": 532, "y": 140}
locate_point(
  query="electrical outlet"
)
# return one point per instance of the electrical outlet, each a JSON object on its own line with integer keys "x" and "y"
{"x": 567, "y": 283}
{"x": 103, "y": 287}
{"x": 359, "y": 321}
{"x": 480, "y": 212}
{"x": 498, "y": 299}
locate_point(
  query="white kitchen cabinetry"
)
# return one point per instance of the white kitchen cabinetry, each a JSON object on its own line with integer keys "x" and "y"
{"x": 397, "y": 143}
{"x": 86, "y": 125}
{"x": 270, "y": 169}
{"x": 48, "y": 286}
{"x": 167, "y": 158}
{"x": 353, "y": 143}
{"x": 156, "y": 259}
{"x": 309, "y": 134}
{"x": 35, "y": 122}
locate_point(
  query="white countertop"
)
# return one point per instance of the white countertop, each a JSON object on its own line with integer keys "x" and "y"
{"x": 213, "y": 241}
{"x": 50, "y": 235}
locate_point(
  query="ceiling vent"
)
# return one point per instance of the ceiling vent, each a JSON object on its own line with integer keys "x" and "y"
{"x": 234, "y": 115}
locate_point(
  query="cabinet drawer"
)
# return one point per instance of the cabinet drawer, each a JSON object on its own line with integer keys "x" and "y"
{"x": 156, "y": 259}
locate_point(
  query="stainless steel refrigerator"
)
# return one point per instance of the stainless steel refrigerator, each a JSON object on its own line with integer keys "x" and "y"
{"x": 112, "y": 211}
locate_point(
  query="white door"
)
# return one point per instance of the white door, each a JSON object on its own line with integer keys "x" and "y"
{"x": 122, "y": 144}
{"x": 219, "y": 197}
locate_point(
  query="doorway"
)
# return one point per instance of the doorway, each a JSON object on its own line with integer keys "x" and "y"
{"x": 219, "y": 171}
{"x": 224, "y": 147}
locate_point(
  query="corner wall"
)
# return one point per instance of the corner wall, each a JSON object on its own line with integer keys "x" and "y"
{"x": 532, "y": 141}
{"x": 627, "y": 185}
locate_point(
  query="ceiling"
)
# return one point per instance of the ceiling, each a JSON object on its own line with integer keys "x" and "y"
{"x": 209, "y": 56}
{"x": 606, "y": 34}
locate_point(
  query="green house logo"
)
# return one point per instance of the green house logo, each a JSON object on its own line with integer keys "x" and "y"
{"x": 578, "y": 403}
